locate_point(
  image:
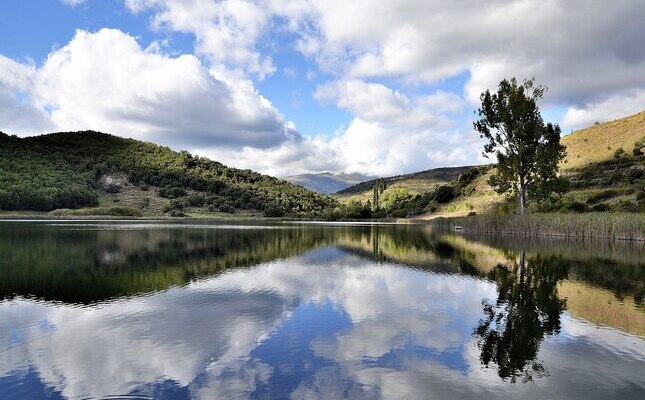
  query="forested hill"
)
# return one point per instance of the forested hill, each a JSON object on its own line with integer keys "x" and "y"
{"x": 416, "y": 180}
{"x": 76, "y": 169}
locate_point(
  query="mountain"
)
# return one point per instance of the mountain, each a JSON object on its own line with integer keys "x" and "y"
{"x": 70, "y": 170}
{"x": 327, "y": 182}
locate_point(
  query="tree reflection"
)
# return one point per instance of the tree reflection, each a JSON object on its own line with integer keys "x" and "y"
{"x": 527, "y": 309}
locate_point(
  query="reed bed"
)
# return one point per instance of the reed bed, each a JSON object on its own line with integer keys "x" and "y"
{"x": 619, "y": 226}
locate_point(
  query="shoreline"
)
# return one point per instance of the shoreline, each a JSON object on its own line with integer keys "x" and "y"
{"x": 611, "y": 226}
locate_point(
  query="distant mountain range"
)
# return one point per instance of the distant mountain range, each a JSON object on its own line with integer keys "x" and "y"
{"x": 327, "y": 182}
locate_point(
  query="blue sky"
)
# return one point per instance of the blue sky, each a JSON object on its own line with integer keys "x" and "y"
{"x": 293, "y": 86}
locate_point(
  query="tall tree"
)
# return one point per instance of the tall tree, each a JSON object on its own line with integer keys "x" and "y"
{"x": 528, "y": 150}
{"x": 379, "y": 188}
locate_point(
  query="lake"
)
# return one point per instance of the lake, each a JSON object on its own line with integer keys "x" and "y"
{"x": 132, "y": 309}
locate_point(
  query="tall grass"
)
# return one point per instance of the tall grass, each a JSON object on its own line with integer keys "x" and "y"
{"x": 621, "y": 226}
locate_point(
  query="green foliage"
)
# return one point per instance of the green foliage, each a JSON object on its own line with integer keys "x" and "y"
{"x": 172, "y": 193}
{"x": 62, "y": 170}
{"x": 31, "y": 182}
{"x": 639, "y": 145}
{"x": 379, "y": 188}
{"x": 392, "y": 196}
{"x": 528, "y": 150}
{"x": 602, "y": 196}
{"x": 444, "y": 193}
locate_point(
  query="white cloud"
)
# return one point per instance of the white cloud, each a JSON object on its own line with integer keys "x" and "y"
{"x": 225, "y": 31}
{"x": 17, "y": 112}
{"x": 588, "y": 52}
{"x": 585, "y": 50}
{"x": 389, "y": 134}
{"x": 105, "y": 81}
{"x": 625, "y": 103}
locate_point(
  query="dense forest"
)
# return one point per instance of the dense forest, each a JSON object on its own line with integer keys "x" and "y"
{"x": 64, "y": 170}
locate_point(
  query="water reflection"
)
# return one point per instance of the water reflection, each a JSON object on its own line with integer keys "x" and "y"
{"x": 527, "y": 309}
{"x": 368, "y": 312}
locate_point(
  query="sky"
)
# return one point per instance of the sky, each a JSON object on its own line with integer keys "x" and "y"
{"x": 303, "y": 86}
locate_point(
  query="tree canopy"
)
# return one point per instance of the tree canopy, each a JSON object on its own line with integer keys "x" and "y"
{"x": 528, "y": 150}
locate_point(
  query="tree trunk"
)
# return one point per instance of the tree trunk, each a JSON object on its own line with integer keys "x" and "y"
{"x": 522, "y": 194}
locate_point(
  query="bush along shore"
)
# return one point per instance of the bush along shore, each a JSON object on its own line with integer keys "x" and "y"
{"x": 618, "y": 226}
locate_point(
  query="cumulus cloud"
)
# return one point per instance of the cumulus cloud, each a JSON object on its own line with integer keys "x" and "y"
{"x": 572, "y": 46}
{"x": 105, "y": 81}
{"x": 593, "y": 68}
{"x": 17, "y": 112}
{"x": 225, "y": 31}
{"x": 390, "y": 133}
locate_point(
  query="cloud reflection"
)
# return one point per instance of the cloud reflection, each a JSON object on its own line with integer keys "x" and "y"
{"x": 406, "y": 334}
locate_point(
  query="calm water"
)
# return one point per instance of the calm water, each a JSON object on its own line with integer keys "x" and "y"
{"x": 156, "y": 310}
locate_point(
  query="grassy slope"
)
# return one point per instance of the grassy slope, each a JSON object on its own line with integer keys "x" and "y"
{"x": 599, "y": 142}
{"x": 590, "y": 151}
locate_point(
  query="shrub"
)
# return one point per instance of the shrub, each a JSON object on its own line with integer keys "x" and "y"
{"x": 634, "y": 175}
{"x": 468, "y": 176}
{"x": 619, "y": 152}
{"x": 604, "y": 195}
{"x": 112, "y": 188}
{"x": 444, "y": 193}
{"x": 392, "y": 196}
{"x": 600, "y": 207}
{"x": 100, "y": 211}
{"x": 194, "y": 200}
{"x": 577, "y": 206}
{"x": 172, "y": 192}
{"x": 173, "y": 205}
{"x": 227, "y": 208}
{"x": 639, "y": 145}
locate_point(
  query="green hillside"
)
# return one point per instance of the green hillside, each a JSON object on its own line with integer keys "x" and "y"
{"x": 415, "y": 183}
{"x": 71, "y": 170}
